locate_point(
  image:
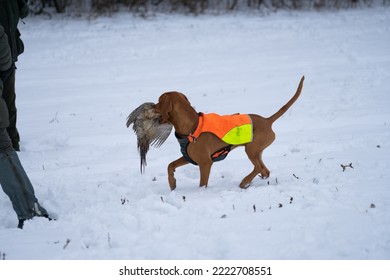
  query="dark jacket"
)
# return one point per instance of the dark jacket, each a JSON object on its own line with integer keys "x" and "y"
{"x": 10, "y": 13}
{"x": 4, "y": 122}
{"x": 5, "y": 65}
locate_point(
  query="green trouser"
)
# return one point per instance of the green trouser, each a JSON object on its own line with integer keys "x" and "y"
{"x": 17, "y": 186}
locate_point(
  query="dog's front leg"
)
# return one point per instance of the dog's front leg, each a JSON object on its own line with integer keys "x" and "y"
{"x": 204, "y": 169}
{"x": 171, "y": 170}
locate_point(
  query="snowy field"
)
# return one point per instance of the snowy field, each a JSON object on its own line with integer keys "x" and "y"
{"x": 79, "y": 79}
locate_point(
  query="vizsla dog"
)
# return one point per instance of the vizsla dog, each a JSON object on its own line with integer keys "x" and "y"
{"x": 177, "y": 110}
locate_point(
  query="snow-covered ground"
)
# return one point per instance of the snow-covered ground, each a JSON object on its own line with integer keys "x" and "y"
{"x": 79, "y": 79}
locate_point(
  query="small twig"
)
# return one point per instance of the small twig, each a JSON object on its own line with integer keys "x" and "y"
{"x": 162, "y": 199}
{"x": 345, "y": 166}
{"x": 124, "y": 200}
{"x": 296, "y": 177}
{"x": 66, "y": 243}
{"x": 254, "y": 207}
{"x": 55, "y": 119}
{"x": 109, "y": 240}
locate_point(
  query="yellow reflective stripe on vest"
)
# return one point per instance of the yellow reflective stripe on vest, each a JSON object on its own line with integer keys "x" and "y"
{"x": 239, "y": 135}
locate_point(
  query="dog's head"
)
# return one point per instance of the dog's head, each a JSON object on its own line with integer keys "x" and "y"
{"x": 168, "y": 102}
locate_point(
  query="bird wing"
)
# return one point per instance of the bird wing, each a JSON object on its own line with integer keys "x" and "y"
{"x": 137, "y": 112}
{"x": 163, "y": 132}
{"x": 147, "y": 127}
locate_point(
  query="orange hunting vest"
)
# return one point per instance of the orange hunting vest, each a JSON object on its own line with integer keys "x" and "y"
{"x": 234, "y": 129}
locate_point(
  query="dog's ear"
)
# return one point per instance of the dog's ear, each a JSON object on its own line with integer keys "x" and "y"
{"x": 181, "y": 95}
{"x": 164, "y": 106}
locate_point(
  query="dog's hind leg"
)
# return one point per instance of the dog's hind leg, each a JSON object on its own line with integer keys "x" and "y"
{"x": 245, "y": 183}
{"x": 259, "y": 167}
{"x": 264, "y": 170}
{"x": 171, "y": 170}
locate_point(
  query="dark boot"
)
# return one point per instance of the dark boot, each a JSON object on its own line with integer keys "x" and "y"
{"x": 21, "y": 223}
{"x": 17, "y": 186}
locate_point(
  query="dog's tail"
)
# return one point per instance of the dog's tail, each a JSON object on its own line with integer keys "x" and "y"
{"x": 283, "y": 110}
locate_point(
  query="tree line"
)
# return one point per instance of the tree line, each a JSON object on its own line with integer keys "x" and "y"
{"x": 190, "y": 6}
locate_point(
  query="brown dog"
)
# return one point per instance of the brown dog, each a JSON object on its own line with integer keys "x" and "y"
{"x": 177, "y": 110}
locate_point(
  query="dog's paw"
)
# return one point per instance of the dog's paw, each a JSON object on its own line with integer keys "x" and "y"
{"x": 244, "y": 185}
{"x": 172, "y": 183}
{"x": 264, "y": 174}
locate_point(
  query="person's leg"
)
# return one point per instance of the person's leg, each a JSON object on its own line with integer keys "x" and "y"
{"x": 9, "y": 97}
{"x": 16, "y": 184}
